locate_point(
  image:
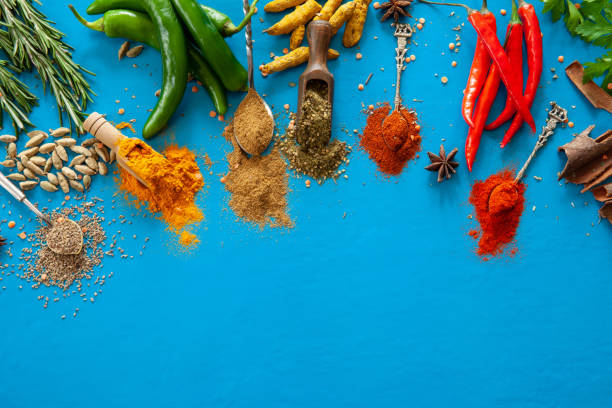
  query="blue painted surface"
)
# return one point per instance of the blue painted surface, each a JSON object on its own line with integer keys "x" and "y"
{"x": 386, "y": 307}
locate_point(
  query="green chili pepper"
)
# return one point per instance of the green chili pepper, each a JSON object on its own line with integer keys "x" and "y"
{"x": 136, "y": 26}
{"x": 222, "y": 22}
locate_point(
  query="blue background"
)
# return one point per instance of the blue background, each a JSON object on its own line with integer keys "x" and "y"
{"x": 386, "y": 307}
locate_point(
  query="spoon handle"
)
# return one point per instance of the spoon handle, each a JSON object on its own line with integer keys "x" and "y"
{"x": 402, "y": 33}
{"x": 20, "y": 196}
{"x": 248, "y": 33}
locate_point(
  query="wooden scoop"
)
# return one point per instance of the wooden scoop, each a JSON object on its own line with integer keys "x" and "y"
{"x": 319, "y": 35}
{"x": 111, "y": 137}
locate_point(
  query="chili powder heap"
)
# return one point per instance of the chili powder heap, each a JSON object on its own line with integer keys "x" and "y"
{"x": 498, "y": 214}
{"x": 391, "y": 162}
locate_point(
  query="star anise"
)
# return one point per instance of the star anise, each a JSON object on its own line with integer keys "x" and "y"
{"x": 443, "y": 164}
{"x": 395, "y": 8}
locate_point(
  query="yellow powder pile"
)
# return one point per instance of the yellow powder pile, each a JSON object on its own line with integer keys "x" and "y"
{"x": 174, "y": 179}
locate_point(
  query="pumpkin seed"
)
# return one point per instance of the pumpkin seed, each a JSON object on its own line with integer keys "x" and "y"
{"x": 57, "y": 162}
{"x": 123, "y": 50}
{"x": 38, "y": 160}
{"x": 92, "y": 163}
{"x": 76, "y": 185}
{"x": 89, "y": 142}
{"x": 46, "y": 148}
{"x": 29, "y": 174}
{"x": 69, "y": 173}
{"x": 66, "y": 142}
{"x": 37, "y": 170}
{"x": 84, "y": 169}
{"x": 52, "y": 179}
{"x": 48, "y": 165}
{"x": 61, "y": 152}
{"x": 36, "y": 140}
{"x": 134, "y": 51}
{"x": 80, "y": 159}
{"x": 102, "y": 169}
{"x": 102, "y": 152}
{"x": 63, "y": 183}
{"x": 8, "y": 138}
{"x": 11, "y": 150}
{"x": 47, "y": 186}
{"x": 81, "y": 150}
{"x": 32, "y": 151}
{"x": 27, "y": 185}
{"x": 16, "y": 177}
{"x": 86, "y": 181}
{"x": 8, "y": 163}
{"x": 60, "y": 132}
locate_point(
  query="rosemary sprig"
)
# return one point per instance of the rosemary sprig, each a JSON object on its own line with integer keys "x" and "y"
{"x": 32, "y": 42}
{"x": 15, "y": 98}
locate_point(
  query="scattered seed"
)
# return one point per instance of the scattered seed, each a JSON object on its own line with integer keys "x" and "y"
{"x": 102, "y": 169}
{"x": 63, "y": 183}
{"x": 76, "y": 185}
{"x": 11, "y": 150}
{"x": 38, "y": 160}
{"x": 60, "y": 132}
{"x": 16, "y": 177}
{"x": 134, "y": 52}
{"x": 47, "y": 186}
{"x": 80, "y": 159}
{"x": 57, "y": 162}
{"x": 34, "y": 168}
{"x": 46, "y": 148}
{"x": 52, "y": 179}
{"x": 36, "y": 140}
{"x": 80, "y": 150}
{"x": 86, "y": 181}
{"x": 66, "y": 142}
{"x": 32, "y": 151}
{"x": 8, "y": 163}
{"x": 19, "y": 166}
{"x": 35, "y": 133}
{"x": 8, "y": 138}
{"x": 91, "y": 163}
{"x": 69, "y": 173}
{"x": 11, "y": 224}
{"x": 89, "y": 142}
{"x": 102, "y": 152}
{"x": 123, "y": 50}
{"x": 28, "y": 185}
{"x": 84, "y": 169}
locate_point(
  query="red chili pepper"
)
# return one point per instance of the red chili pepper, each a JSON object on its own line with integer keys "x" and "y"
{"x": 497, "y": 53}
{"x": 478, "y": 71}
{"x": 533, "y": 40}
{"x": 514, "y": 49}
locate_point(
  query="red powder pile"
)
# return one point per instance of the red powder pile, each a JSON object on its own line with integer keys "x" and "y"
{"x": 388, "y": 161}
{"x": 498, "y": 227}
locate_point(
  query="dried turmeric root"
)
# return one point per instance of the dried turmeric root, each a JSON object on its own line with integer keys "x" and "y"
{"x": 329, "y": 8}
{"x": 297, "y": 37}
{"x": 300, "y": 16}
{"x": 354, "y": 27}
{"x": 276, "y": 6}
{"x": 294, "y": 58}
{"x": 341, "y": 16}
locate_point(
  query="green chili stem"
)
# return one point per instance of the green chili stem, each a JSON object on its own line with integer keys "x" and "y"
{"x": 97, "y": 25}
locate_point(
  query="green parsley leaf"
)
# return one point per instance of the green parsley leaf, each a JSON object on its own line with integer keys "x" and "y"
{"x": 556, "y": 8}
{"x": 573, "y": 18}
{"x": 601, "y": 66}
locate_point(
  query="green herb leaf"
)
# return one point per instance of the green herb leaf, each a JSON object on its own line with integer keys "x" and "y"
{"x": 573, "y": 17}
{"x": 556, "y": 8}
{"x": 597, "y": 30}
{"x": 601, "y": 66}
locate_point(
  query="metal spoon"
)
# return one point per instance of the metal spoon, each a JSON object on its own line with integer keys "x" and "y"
{"x": 249, "y": 49}
{"x": 402, "y": 33}
{"x": 20, "y": 196}
{"x": 556, "y": 115}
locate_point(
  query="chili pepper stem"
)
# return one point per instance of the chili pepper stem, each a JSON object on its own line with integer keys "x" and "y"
{"x": 514, "y": 17}
{"x": 97, "y": 25}
{"x": 231, "y": 29}
{"x": 469, "y": 9}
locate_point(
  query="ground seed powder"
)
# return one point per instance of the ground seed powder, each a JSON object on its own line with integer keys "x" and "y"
{"x": 254, "y": 126}
{"x": 258, "y": 186}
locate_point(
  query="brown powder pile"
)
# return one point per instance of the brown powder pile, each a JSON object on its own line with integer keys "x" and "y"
{"x": 174, "y": 179}
{"x": 254, "y": 126}
{"x": 258, "y": 186}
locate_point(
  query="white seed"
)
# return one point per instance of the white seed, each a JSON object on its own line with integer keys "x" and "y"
{"x": 35, "y": 133}
{"x": 46, "y": 148}
{"x": 57, "y": 162}
{"x": 8, "y": 138}
{"x": 52, "y": 179}
{"x": 30, "y": 152}
{"x": 16, "y": 177}
{"x": 36, "y": 140}
{"x": 81, "y": 150}
{"x": 86, "y": 181}
{"x": 102, "y": 153}
{"x": 92, "y": 163}
{"x": 48, "y": 165}
{"x": 24, "y": 159}
{"x": 134, "y": 51}
{"x": 80, "y": 159}
{"x": 47, "y": 186}
{"x": 69, "y": 173}
{"x": 63, "y": 183}
{"x": 84, "y": 169}
{"x": 11, "y": 150}
{"x": 38, "y": 160}
{"x": 89, "y": 142}
{"x": 92, "y": 150}
{"x": 123, "y": 50}
{"x": 8, "y": 163}
{"x": 66, "y": 142}
{"x": 20, "y": 166}
{"x": 61, "y": 152}
{"x": 102, "y": 169}
{"x": 27, "y": 185}
{"x": 29, "y": 174}
{"x": 35, "y": 169}
{"x": 60, "y": 132}
{"x": 76, "y": 185}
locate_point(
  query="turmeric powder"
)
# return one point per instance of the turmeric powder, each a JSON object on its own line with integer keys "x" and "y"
{"x": 174, "y": 180}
